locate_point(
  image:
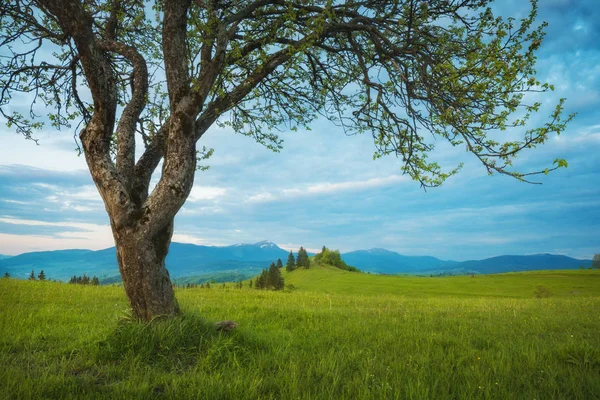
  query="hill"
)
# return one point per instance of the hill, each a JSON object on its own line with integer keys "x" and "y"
{"x": 523, "y": 263}
{"x": 383, "y": 261}
{"x": 196, "y": 264}
{"x": 326, "y": 279}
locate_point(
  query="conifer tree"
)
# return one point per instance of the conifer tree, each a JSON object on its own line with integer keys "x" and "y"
{"x": 280, "y": 283}
{"x": 250, "y": 284}
{"x": 95, "y": 281}
{"x": 302, "y": 260}
{"x": 291, "y": 263}
{"x": 42, "y": 276}
{"x": 32, "y": 276}
{"x": 272, "y": 276}
{"x": 260, "y": 280}
{"x": 85, "y": 280}
{"x": 279, "y": 263}
{"x": 6, "y": 275}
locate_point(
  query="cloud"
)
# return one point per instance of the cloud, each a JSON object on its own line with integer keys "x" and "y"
{"x": 327, "y": 188}
{"x": 200, "y": 193}
{"x": 324, "y": 188}
{"x": 74, "y": 235}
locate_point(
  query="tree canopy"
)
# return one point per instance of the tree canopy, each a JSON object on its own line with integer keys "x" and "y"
{"x": 398, "y": 70}
{"x": 162, "y": 73}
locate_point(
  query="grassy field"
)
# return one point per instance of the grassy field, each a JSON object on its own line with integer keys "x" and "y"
{"x": 337, "y": 336}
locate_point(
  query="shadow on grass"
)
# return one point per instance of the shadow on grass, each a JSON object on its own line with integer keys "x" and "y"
{"x": 177, "y": 344}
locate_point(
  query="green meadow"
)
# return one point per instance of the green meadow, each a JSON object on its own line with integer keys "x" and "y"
{"x": 336, "y": 335}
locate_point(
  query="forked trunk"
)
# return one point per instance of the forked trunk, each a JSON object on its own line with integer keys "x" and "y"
{"x": 145, "y": 277}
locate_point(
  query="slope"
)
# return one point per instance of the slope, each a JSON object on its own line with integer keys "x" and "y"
{"x": 332, "y": 280}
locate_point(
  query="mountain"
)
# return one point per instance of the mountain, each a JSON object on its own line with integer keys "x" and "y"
{"x": 2, "y": 256}
{"x": 195, "y": 264}
{"x": 383, "y": 261}
{"x": 183, "y": 260}
{"x": 523, "y": 263}
{"x": 62, "y": 264}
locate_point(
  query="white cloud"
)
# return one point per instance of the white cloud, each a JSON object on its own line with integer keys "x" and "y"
{"x": 16, "y": 202}
{"x": 327, "y": 188}
{"x": 294, "y": 247}
{"x": 261, "y": 198}
{"x": 72, "y": 199}
{"x": 200, "y": 193}
{"x": 55, "y": 152}
{"x": 84, "y": 236}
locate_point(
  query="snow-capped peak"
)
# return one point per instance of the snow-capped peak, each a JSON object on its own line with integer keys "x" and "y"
{"x": 265, "y": 244}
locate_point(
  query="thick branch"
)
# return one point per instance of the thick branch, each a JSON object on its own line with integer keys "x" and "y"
{"x": 175, "y": 49}
{"x": 127, "y": 123}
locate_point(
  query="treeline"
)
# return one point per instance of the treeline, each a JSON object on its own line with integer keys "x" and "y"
{"x": 80, "y": 280}
{"x": 333, "y": 258}
{"x": 84, "y": 280}
{"x": 270, "y": 278}
{"x": 32, "y": 277}
{"x": 301, "y": 262}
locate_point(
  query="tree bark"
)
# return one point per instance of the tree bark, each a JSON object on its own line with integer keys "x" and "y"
{"x": 145, "y": 277}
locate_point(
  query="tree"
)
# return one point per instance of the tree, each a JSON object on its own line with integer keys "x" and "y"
{"x": 261, "y": 280}
{"x": 596, "y": 261}
{"x": 32, "y": 276}
{"x": 279, "y": 263}
{"x": 291, "y": 263}
{"x": 6, "y": 275}
{"x": 302, "y": 259}
{"x": 42, "y": 276}
{"x": 95, "y": 281}
{"x": 333, "y": 258}
{"x": 120, "y": 73}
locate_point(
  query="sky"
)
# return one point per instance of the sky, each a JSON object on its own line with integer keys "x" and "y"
{"x": 324, "y": 188}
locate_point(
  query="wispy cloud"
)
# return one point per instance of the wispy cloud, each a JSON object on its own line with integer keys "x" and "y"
{"x": 326, "y": 188}
{"x": 323, "y": 188}
{"x": 200, "y": 193}
{"x": 77, "y": 235}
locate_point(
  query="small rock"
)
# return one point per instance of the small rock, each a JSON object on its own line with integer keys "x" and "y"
{"x": 225, "y": 326}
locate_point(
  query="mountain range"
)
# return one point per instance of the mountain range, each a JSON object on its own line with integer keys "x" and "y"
{"x": 194, "y": 263}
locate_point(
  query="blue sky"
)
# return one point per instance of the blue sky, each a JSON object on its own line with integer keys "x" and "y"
{"x": 324, "y": 188}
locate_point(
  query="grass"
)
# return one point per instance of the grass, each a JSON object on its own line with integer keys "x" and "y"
{"x": 338, "y": 336}
{"x": 568, "y": 283}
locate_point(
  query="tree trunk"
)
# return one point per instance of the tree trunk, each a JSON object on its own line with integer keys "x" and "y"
{"x": 145, "y": 278}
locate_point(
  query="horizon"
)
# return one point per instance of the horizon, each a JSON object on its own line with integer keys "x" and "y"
{"x": 324, "y": 188}
{"x": 317, "y": 251}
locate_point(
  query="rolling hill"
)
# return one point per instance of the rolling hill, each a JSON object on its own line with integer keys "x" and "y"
{"x": 523, "y": 263}
{"x": 331, "y": 280}
{"x": 193, "y": 263}
{"x": 383, "y": 261}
